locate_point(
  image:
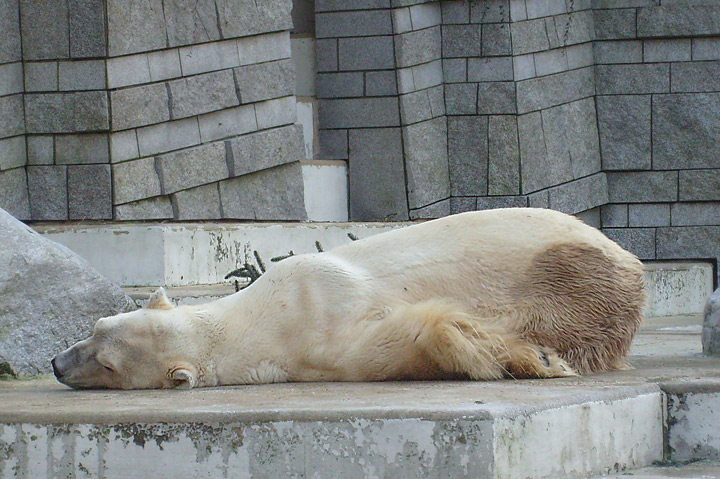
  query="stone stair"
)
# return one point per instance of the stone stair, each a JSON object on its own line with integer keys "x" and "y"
{"x": 612, "y": 423}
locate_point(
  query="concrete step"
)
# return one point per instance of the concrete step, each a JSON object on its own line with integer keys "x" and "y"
{"x": 567, "y": 428}
{"x": 182, "y": 255}
{"x": 696, "y": 470}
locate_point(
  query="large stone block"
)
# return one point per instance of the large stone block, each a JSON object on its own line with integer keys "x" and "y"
{"x": 168, "y": 136}
{"x": 273, "y": 194}
{"x": 135, "y": 180}
{"x": 695, "y": 77}
{"x": 14, "y": 193}
{"x": 496, "y": 39}
{"x": 139, "y": 106}
{"x": 359, "y": 113}
{"x": 192, "y": 167}
{"x": 67, "y": 112}
{"x": 706, "y": 48}
{"x": 89, "y": 192}
{"x": 201, "y": 203}
{"x": 233, "y": 122}
{"x": 202, "y": 94}
{"x": 461, "y": 98}
{"x": 326, "y": 55}
{"x": 128, "y": 70}
{"x": 642, "y": 186}
{"x": 549, "y": 91}
{"x": 624, "y": 126}
{"x": 570, "y": 29}
{"x": 694, "y": 214}
{"x": 454, "y": 70}
{"x": 639, "y": 241}
{"x": 367, "y": 53}
{"x": 461, "y": 204}
{"x": 265, "y": 80}
{"x": 10, "y": 43}
{"x": 673, "y": 50}
{"x": 680, "y": 20}
{"x": 435, "y": 210}
{"x": 490, "y": 11}
{"x": 579, "y": 195}
{"x": 47, "y": 187}
{"x": 85, "y": 148}
{"x": 382, "y": 83}
{"x": 496, "y": 98}
{"x": 333, "y": 144}
{"x": 239, "y": 18}
{"x": 503, "y": 156}
{"x": 699, "y": 185}
{"x": 73, "y": 297}
{"x": 265, "y": 149}
{"x": 264, "y": 48}
{"x": 648, "y": 214}
{"x": 124, "y": 146}
{"x": 376, "y": 175}
{"x": 414, "y": 48}
{"x": 415, "y": 107}
{"x": 688, "y": 242}
{"x": 340, "y": 85}
{"x": 12, "y": 116}
{"x": 530, "y": 36}
{"x": 468, "y": 155}
{"x": 614, "y": 216}
{"x": 339, "y": 5}
{"x": 495, "y": 202}
{"x": 137, "y": 26}
{"x": 618, "y": 51}
{"x": 353, "y": 24}
{"x": 685, "y": 133}
{"x": 41, "y": 76}
{"x": 633, "y": 79}
{"x": 209, "y": 57}
{"x": 45, "y": 30}
{"x": 12, "y": 153}
{"x": 551, "y": 61}
{"x": 456, "y": 11}
{"x": 461, "y": 41}
{"x": 191, "y": 21}
{"x": 158, "y": 208}
{"x": 615, "y": 24}
{"x": 164, "y": 64}
{"x": 87, "y": 28}
{"x": 40, "y": 150}
{"x": 537, "y": 169}
{"x": 489, "y": 69}
{"x": 11, "y": 79}
{"x": 277, "y": 112}
{"x": 571, "y": 137}
{"x": 82, "y": 75}
{"x": 426, "y": 162}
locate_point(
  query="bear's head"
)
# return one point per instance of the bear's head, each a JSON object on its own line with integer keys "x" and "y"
{"x": 147, "y": 348}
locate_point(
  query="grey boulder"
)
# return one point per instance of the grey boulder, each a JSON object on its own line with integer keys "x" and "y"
{"x": 49, "y": 298}
{"x": 711, "y": 325}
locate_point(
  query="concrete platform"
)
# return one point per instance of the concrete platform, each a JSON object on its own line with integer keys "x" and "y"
{"x": 574, "y": 428}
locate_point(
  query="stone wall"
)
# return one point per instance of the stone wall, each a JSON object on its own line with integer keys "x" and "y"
{"x": 13, "y": 156}
{"x": 151, "y": 109}
{"x": 658, "y": 100}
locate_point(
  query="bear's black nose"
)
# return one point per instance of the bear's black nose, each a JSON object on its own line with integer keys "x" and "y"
{"x": 55, "y": 369}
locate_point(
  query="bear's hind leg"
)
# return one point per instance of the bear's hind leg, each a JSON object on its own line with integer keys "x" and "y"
{"x": 461, "y": 344}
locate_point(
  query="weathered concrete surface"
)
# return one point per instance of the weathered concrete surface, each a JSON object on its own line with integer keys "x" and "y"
{"x": 51, "y": 297}
{"x": 711, "y": 325}
{"x": 693, "y": 431}
{"x": 677, "y": 287}
{"x": 698, "y": 470}
{"x": 575, "y": 427}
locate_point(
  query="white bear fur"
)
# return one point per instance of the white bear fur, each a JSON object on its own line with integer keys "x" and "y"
{"x": 482, "y": 295}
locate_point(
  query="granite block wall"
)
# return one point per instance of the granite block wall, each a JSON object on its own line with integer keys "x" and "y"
{"x": 13, "y": 151}
{"x": 147, "y": 110}
{"x": 658, "y": 101}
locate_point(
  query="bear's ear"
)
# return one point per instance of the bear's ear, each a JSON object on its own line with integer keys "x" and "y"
{"x": 183, "y": 378}
{"x": 159, "y": 300}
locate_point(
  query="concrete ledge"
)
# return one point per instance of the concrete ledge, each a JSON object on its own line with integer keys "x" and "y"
{"x": 677, "y": 287}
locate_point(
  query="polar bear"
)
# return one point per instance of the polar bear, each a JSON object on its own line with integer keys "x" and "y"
{"x": 516, "y": 293}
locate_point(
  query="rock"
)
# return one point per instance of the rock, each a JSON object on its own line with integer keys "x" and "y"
{"x": 49, "y": 299}
{"x": 711, "y": 325}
